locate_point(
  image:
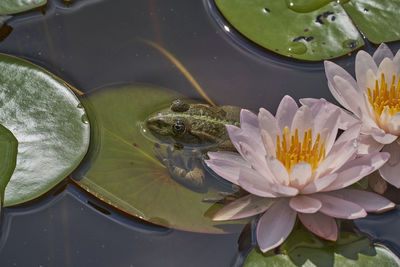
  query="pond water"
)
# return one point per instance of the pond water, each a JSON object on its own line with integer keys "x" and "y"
{"x": 96, "y": 43}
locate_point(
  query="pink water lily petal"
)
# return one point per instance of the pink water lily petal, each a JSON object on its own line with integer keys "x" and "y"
{"x": 332, "y": 70}
{"x": 394, "y": 124}
{"x": 268, "y": 123}
{"x": 305, "y": 204}
{"x": 396, "y": 62}
{"x": 320, "y": 224}
{"x": 269, "y": 143}
{"x": 347, "y": 119}
{"x": 302, "y": 121}
{"x": 339, "y": 155}
{"x": 243, "y": 207}
{"x": 382, "y": 137}
{"x": 238, "y": 136}
{"x": 339, "y": 208}
{"x": 387, "y": 68}
{"x": 259, "y": 185}
{"x": 374, "y": 160}
{"x": 248, "y": 121}
{"x": 391, "y": 170}
{"x": 371, "y": 202}
{"x": 278, "y": 170}
{"x": 384, "y": 119}
{"x": 331, "y": 123}
{"x": 367, "y": 144}
{"x": 226, "y": 166}
{"x": 349, "y": 176}
{"x": 319, "y": 184}
{"x": 300, "y": 174}
{"x": 381, "y": 53}
{"x": 256, "y": 159}
{"x": 352, "y": 133}
{"x": 353, "y": 98}
{"x": 285, "y": 113}
{"x": 364, "y": 62}
{"x": 275, "y": 225}
{"x": 234, "y": 157}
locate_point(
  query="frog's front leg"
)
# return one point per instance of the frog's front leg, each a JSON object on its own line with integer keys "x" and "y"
{"x": 183, "y": 166}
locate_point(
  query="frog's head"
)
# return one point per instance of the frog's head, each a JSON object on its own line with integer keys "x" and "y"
{"x": 171, "y": 125}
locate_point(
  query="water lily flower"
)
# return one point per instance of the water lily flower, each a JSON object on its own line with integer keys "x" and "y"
{"x": 293, "y": 166}
{"x": 373, "y": 100}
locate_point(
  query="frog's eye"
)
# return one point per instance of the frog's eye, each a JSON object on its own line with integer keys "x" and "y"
{"x": 178, "y": 127}
{"x": 179, "y": 106}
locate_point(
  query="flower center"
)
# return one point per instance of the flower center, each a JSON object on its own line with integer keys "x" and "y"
{"x": 291, "y": 151}
{"x": 382, "y": 98}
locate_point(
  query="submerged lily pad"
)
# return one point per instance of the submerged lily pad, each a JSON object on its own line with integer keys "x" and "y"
{"x": 304, "y": 249}
{"x": 48, "y": 121}
{"x": 313, "y": 30}
{"x": 122, "y": 169}
{"x": 8, "y": 7}
{"x": 8, "y": 157}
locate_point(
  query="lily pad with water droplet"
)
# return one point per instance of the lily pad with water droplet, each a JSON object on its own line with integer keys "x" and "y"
{"x": 8, "y": 7}
{"x": 321, "y": 33}
{"x": 121, "y": 167}
{"x": 304, "y": 249}
{"x": 43, "y": 114}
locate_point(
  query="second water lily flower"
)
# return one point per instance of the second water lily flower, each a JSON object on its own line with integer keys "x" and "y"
{"x": 293, "y": 166}
{"x": 373, "y": 100}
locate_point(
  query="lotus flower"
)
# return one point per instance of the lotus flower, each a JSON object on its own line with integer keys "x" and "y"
{"x": 373, "y": 100}
{"x": 292, "y": 166}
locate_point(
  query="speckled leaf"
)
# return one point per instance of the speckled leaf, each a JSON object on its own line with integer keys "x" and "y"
{"x": 304, "y": 249}
{"x": 323, "y": 33}
{"x": 378, "y": 20}
{"x": 16, "y": 6}
{"x": 8, "y": 157}
{"x": 48, "y": 122}
{"x": 121, "y": 167}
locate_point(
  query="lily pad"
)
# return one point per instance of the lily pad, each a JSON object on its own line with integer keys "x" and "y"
{"x": 8, "y": 7}
{"x": 324, "y": 33}
{"x": 304, "y": 249}
{"x": 315, "y": 29}
{"x": 8, "y": 157}
{"x": 376, "y": 19}
{"x": 121, "y": 167}
{"x": 49, "y": 123}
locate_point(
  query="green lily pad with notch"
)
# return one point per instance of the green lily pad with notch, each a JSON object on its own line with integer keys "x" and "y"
{"x": 304, "y": 249}
{"x": 122, "y": 170}
{"x": 8, "y": 157}
{"x": 316, "y": 29}
{"x": 8, "y": 7}
{"x": 49, "y": 123}
{"x": 377, "y": 20}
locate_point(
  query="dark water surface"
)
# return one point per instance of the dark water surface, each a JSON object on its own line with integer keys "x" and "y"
{"x": 92, "y": 43}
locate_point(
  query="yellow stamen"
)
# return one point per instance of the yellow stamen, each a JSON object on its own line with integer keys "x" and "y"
{"x": 291, "y": 151}
{"x": 382, "y": 96}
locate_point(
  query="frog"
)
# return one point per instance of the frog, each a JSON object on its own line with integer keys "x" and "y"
{"x": 191, "y": 129}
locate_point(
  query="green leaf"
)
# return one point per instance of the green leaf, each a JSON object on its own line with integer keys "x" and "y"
{"x": 304, "y": 249}
{"x": 49, "y": 123}
{"x": 313, "y": 29}
{"x": 376, "y": 19}
{"x": 121, "y": 167}
{"x": 8, "y": 157}
{"x": 8, "y": 7}
{"x": 324, "y": 33}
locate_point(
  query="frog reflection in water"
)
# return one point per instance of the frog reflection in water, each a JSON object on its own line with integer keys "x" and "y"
{"x": 200, "y": 127}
